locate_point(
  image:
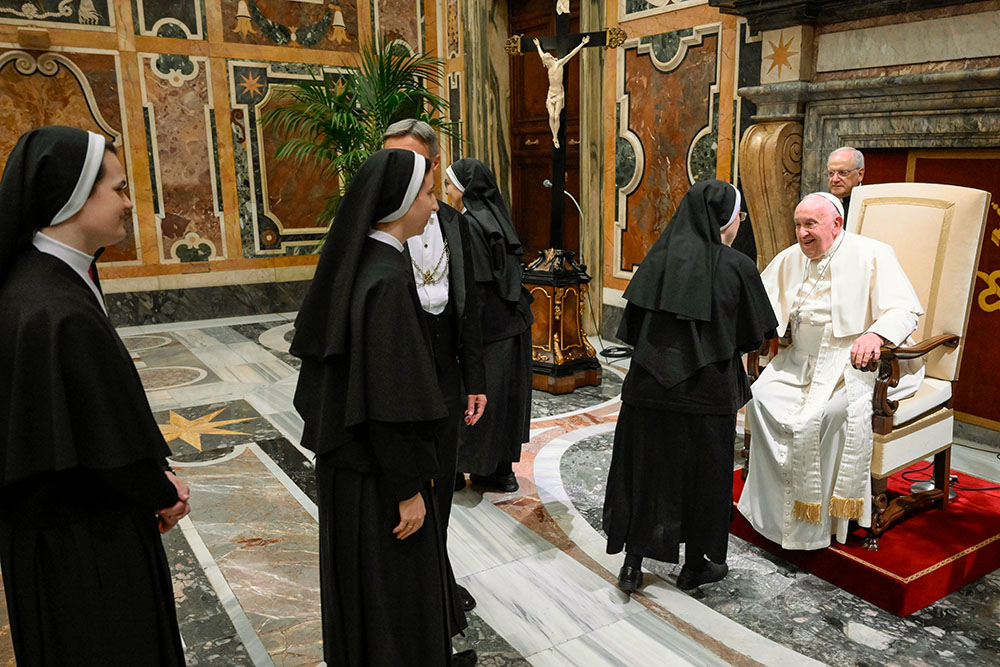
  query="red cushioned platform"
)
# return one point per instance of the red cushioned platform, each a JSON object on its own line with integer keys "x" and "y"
{"x": 921, "y": 558}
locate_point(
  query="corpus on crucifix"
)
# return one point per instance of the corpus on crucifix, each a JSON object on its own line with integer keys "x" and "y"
{"x": 555, "y": 100}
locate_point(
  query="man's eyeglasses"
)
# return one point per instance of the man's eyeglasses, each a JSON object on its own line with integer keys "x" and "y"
{"x": 843, "y": 173}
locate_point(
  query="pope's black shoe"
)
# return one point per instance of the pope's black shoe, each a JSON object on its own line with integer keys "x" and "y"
{"x": 691, "y": 578}
{"x": 629, "y": 578}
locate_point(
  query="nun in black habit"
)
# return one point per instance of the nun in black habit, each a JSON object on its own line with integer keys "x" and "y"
{"x": 491, "y": 446}
{"x": 84, "y": 487}
{"x": 369, "y": 397}
{"x": 694, "y": 306}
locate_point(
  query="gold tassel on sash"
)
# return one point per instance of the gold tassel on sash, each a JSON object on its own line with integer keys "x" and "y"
{"x": 846, "y": 508}
{"x": 807, "y": 511}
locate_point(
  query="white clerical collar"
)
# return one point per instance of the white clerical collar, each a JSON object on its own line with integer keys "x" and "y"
{"x": 386, "y": 238}
{"x": 77, "y": 260}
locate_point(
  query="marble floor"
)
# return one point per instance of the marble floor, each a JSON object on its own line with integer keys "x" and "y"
{"x": 245, "y": 561}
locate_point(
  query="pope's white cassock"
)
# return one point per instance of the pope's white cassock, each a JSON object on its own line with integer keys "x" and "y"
{"x": 810, "y": 417}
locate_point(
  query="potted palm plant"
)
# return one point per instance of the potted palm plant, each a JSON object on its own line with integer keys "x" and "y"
{"x": 337, "y": 121}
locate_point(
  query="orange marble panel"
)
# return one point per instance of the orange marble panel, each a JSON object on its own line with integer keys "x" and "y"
{"x": 398, "y": 20}
{"x": 75, "y": 89}
{"x": 178, "y": 107}
{"x": 666, "y": 111}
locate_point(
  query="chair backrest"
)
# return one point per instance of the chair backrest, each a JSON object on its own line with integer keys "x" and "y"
{"x": 936, "y": 231}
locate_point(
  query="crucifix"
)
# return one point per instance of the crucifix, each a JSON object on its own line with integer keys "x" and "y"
{"x": 565, "y": 45}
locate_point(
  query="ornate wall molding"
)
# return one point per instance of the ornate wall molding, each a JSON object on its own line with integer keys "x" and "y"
{"x": 630, "y": 10}
{"x": 667, "y": 53}
{"x": 181, "y": 20}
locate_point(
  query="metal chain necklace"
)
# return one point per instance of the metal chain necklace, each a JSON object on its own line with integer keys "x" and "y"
{"x": 800, "y": 300}
{"x": 427, "y": 276}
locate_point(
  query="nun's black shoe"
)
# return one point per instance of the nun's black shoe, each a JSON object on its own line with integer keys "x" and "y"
{"x": 465, "y": 598}
{"x": 459, "y": 481}
{"x": 464, "y": 658}
{"x": 691, "y": 578}
{"x": 629, "y": 578}
{"x": 506, "y": 483}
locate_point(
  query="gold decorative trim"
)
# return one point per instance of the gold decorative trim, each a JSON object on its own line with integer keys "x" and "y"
{"x": 513, "y": 45}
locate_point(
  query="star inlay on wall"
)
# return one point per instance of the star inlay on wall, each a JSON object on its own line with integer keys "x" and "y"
{"x": 781, "y": 54}
{"x": 251, "y": 85}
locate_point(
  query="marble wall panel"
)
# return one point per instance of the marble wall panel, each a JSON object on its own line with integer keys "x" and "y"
{"x": 668, "y": 132}
{"x": 453, "y": 29}
{"x": 312, "y": 24}
{"x": 279, "y": 202}
{"x": 76, "y": 89}
{"x": 401, "y": 19}
{"x": 183, "y": 157}
{"x": 85, "y": 14}
{"x": 636, "y": 9}
{"x": 169, "y": 18}
{"x": 748, "y": 59}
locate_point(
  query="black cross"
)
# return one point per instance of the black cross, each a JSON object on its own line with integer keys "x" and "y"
{"x": 559, "y": 45}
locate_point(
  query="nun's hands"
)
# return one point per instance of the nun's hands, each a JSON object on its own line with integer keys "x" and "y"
{"x": 411, "y": 517}
{"x": 169, "y": 516}
{"x": 475, "y": 409}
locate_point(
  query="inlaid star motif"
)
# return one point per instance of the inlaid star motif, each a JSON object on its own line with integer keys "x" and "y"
{"x": 251, "y": 85}
{"x": 781, "y": 54}
{"x": 191, "y": 430}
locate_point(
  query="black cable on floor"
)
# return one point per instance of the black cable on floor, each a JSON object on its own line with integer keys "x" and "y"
{"x": 614, "y": 352}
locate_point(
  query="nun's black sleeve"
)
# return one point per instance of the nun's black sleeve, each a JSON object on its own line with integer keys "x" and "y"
{"x": 71, "y": 397}
{"x": 471, "y": 341}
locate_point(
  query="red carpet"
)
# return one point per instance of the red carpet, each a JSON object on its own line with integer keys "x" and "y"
{"x": 922, "y": 558}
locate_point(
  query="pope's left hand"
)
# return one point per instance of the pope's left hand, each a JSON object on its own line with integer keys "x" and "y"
{"x": 868, "y": 347}
{"x": 475, "y": 409}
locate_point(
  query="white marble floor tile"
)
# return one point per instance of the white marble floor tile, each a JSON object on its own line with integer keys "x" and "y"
{"x": 217, "y": 356}
{"x": 290, "y": 425}
{"x": 221, "y": 322}
{"x": 541, "y": 601}
{"x": 194, "y": 339}
{"x": 271, "y": 398}
{"x": 641, "y": 640}
{"x": 252, "y": 352}
{"x": 275, "y": 338}
{"x": 482, "y": 536}
{"x": 205, "y": 393}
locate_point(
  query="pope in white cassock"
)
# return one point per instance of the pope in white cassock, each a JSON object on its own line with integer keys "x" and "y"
{"x": 839, "y": 297}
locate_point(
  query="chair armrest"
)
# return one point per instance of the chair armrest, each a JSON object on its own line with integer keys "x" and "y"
{"x": 887, "y": 365}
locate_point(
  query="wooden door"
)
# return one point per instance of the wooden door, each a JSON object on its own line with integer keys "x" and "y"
{"x": 531, "y": 139}
{"x": 976, "y": 398}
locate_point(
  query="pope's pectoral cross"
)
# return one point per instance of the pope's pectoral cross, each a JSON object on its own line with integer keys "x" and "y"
{"x": 555, "y": 52}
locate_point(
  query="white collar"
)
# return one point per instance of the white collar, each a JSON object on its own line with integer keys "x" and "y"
{"x": 386, "y": 238}
{"x": 77, "y": 260}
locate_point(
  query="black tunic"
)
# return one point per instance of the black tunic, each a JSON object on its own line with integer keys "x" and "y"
{"x": 85, "y": 575}
{"x": 370, "y": 415}
{"x": 671, "y": 471}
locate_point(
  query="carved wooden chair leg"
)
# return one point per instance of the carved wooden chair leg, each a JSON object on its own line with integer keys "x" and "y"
{"x": 880, "y": 502}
